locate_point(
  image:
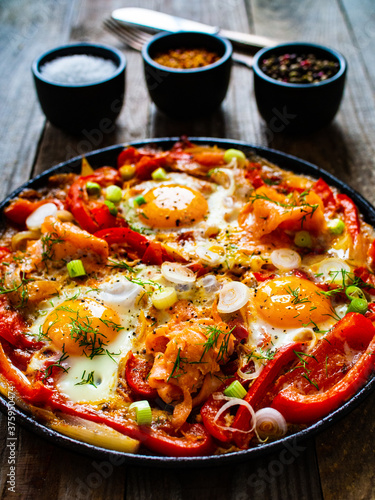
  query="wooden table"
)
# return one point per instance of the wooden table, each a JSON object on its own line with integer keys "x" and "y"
{"x": 340, "y": 462}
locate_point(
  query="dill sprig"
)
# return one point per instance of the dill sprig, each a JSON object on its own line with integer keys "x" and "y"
{"x": 120, "y": 265}
{"x": 177, "y": 366}
{"x": 89, "y": 380}
{"x": 214, "y": 334}
{"x": 20, "y": 286}
{"x": 57, "y": 364}
{"x": 295, "y": 294}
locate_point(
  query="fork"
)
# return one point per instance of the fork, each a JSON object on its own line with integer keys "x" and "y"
{"x": 136, "y": 38}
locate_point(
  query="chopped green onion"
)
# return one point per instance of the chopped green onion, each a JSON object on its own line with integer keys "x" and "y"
{"x": 354, "y": 292}
{"x": 303, "y": 239}
{"x": 358, "y": 306}
{"x": 111, "y": 206}
{"x": 140, "y": 200}
{"x": 235, "y": 390}
{"x": 127, "y": 172}
{"x": 164, "y": 298}
{"x": 336, "y": 226}
{"x": 75, "y": 268}
{"x": 93, "y": 188}
{"x": 113, "y": 193}
{"x": 159, "y": 174}
{"x": 234, "y": 153}
{"x": 143, "y": 412}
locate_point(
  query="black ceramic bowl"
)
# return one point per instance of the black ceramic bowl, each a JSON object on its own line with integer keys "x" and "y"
{"x": 186, "y": 93}
{"x": 79, "y": 107}
{"x": 298, "y": 107}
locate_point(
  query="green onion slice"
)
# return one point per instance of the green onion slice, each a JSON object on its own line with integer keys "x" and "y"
{"x": 234, "y": 153}
{"x": 111, "y": 207}
{"x": 75, "y": 268}
{"x": 93, "y": 188}
{"x": 235, "y": 390}
{"x": 140, "y": 200}
{"x": 353, "y": 292}
{"x": 113, "y": 193}
{"x": 303, "y": 239}
{"x": 358, "y": 306}
{"x": 159, "y": 174}
{"x": 336, "y": 226}
{"x": 143, "y": 412}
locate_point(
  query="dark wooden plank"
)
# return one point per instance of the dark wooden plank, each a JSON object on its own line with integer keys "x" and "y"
{"x": 28, "y": 28}
{"x": 291, "y": 473}
{"x": 345, "y": 148}
{"x": 346, "y": 456}
{"x": 45, "y": 471}
{"x": 58, "y": 146}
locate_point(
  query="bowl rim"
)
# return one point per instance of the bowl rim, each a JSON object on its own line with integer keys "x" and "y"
{"x": 332, "y": 52}
{"x": 35, "y": 67}
{"x": 227, "y": 52}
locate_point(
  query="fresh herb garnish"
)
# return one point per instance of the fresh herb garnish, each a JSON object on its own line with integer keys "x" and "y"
{"x": 89, "y": 380}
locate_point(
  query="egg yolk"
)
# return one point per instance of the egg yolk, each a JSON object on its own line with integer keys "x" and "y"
{"x": 81, "y": 327}
{"x": 291, "y": 302}
{"x": 173, "y": 206}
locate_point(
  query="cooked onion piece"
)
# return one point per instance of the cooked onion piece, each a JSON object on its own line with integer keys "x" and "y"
{"x": 269, "y": 423}
{"x": 177, "y": 273}
{"x": 233, "y": 296}
{"x": 19, "y": 239}
{"x": 97, "y": 435}
{"x": 285, "y": 259}
{"x": 334, "y": 271}
{"x": 210, "y": 283}
{"x": 234, "y": 402}
{"x": 251, "y": 376}
{"x": 36, "y": 219}
{"x": 121, "y": 295}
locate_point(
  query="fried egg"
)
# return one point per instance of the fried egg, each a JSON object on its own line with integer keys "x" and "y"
{"x": 288, "y": 309}
{"x": 93, "y": 329}
{"x": 182, "y": 203}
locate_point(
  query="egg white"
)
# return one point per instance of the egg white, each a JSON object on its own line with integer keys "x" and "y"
{"x": 104, "y": 367}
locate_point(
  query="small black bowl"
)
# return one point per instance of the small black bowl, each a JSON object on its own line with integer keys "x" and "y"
{"x": 82, "y": 107}
{"x": 298, "y": 107}
{"x": 186, "y": 93}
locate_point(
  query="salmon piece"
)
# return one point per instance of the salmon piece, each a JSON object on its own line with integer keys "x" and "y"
{"x": 190, "y": 350}
{"x": 269, "y": 210}
{"x": 68, "y": 240}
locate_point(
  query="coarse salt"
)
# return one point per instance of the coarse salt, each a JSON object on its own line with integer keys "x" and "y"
{"x": 78, "y": 69}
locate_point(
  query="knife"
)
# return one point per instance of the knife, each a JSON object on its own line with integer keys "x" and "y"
{"x": 158, "y": 21}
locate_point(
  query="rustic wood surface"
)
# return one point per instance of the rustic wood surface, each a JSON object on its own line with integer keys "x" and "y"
{"x": 340, "y": 462}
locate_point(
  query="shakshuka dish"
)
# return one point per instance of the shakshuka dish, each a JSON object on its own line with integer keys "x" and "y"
{"x": 188, "y": 302}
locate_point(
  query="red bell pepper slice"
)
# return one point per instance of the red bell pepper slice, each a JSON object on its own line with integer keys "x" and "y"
{"x": 35, "y": 393}
{"x": 13, "y": 326}
{"x": 351, "y": 217}
{"x": 136, "y": 372}
{"x": 260, "y": 277}
{"x": 192, "y": 439}
{"x": 208, "y": 414}
{"x": 147, "y": 164}
{"x": 322, "y": 189}
{"x": 79, "y": 203}
{"x": 150, "y": 252}
{"x": 4, "y": 253}
{"x": 301, "y": 402}
{"x": 127, "y": 156}
{"x": 19, "y": 210}
{"x": 260, "y": 387}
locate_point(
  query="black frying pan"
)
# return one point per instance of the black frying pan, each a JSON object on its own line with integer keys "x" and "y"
{"x": 108, "y": 156}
